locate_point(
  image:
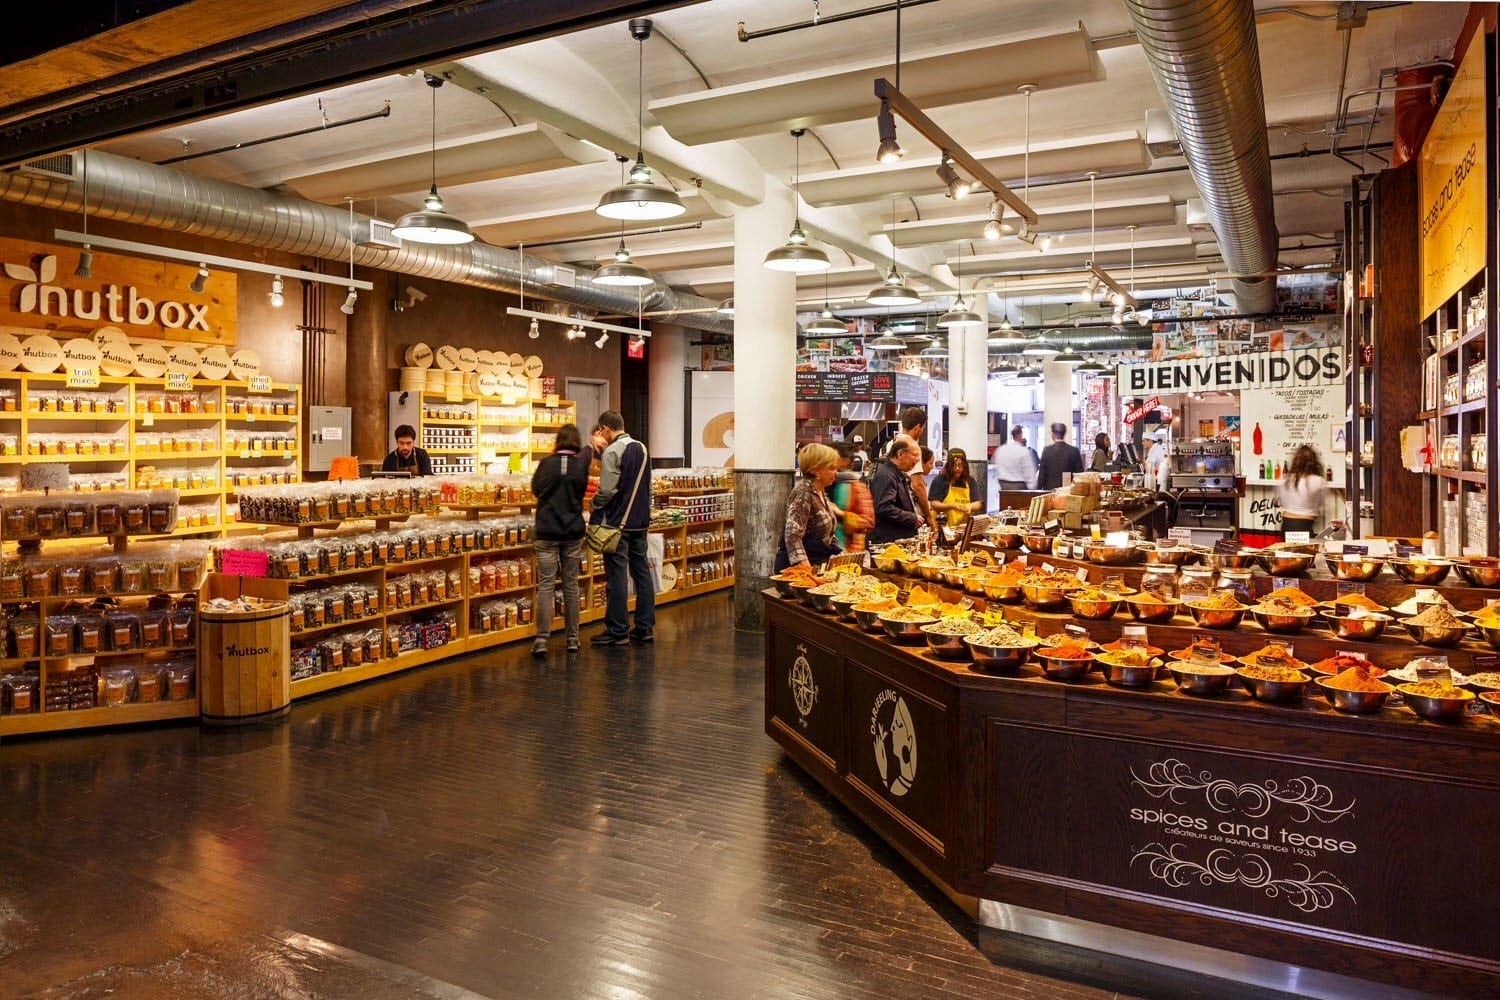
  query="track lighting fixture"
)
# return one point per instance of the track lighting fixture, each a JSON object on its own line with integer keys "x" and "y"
{"x": 889, "y": 150}
{"x": 795, "y": 255}
{"x": 603, "y": 339}
{"x": 278, "y": 297}
{"x": 957, "y": 186}
{"x": 534, "y": 331}
{"x": 85, "y": 268}
{"x": 641, "y": 197}
{"x": 200, "y": 280}
{"x": 433, "y": 225}
{"x": 348, "y": 307}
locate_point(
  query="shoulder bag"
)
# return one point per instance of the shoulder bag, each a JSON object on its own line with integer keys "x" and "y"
{"x": 605, "y": 538}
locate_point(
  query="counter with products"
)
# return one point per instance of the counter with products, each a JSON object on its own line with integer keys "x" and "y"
{"x": 1274, "y": 819}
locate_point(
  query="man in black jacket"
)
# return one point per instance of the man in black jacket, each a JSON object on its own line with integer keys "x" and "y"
{"x": 895, "y": 508}
{"x": 1057, "y": 458}
{"x": 624, "y": 501}
{"x": 559, "y": 483}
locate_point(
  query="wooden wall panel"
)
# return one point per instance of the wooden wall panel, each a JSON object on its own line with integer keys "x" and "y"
{"x": 1398, "y": 350}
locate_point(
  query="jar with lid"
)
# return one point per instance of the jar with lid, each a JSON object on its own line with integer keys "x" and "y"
{"x": 1159, "y": 579}
{"x": 1236, "y": 582}
{"x": 1195, "y": 580}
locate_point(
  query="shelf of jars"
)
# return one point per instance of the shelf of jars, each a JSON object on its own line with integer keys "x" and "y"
{"x": 1459, "y": 396}
{"x": 474, "y": 434}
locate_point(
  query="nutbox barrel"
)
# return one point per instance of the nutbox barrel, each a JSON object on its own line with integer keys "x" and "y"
{"x": 243, "y": 675}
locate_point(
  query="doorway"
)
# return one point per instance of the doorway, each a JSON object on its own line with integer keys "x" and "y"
{"x": 592, "y": 397}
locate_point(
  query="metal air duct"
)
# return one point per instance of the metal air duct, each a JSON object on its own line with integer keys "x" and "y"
{"x": 1206, "y": 61}
{"x": 149, "y": 195}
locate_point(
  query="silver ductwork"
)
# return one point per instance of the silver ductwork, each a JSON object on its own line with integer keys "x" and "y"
{"x": 145, "y": 194}
{"x": 1206, "y": 61}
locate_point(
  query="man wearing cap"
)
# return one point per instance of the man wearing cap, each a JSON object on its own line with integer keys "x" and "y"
{"x": 1057, "y": 458}
{"x": 1158, "y": 468}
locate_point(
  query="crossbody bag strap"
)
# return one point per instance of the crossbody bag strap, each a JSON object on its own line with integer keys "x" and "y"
{"x": 639, "y": 475}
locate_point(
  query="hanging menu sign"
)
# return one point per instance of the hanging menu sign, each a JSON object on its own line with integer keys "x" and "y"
{"x": 1265, "y": 370}
{"x": 846, "y": 387}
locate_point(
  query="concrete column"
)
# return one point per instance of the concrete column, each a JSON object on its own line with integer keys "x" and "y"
{"x": 367, "y": 368}
{"x": 765, "y": 370}
{"x": 667, "y": 358}
{"x": 968, "y": 393}
{"x": 1057, "y": 400}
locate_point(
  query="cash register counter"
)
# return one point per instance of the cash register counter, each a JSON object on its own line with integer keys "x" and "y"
{"x": 1242, "y": 839}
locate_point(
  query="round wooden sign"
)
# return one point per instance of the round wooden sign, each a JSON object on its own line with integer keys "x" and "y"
{"x": 81, "y": 352}
{"x": 214, "y": 364}
{"x": 517, "y": 365}
{"x": 488, "y": 384}
{"x": 244, "y": 363}
{"x": 447, "y": 357}
{"x": 40, "y": 354}
{"x": 116, "y": 358}
{"x": 151, "y": 359}
{"x": 484, "y": 361}
{"x": 10, "y": 352}
{"x": 532, "y": 366}
{"x": 468, "y": 359}
{"x": 182, "y": 359}
{"x": 419, "y": 356}
{"x": 114, "y": 333}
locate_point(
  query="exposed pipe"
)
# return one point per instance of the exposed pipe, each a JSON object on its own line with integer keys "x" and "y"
{"x": 384, "y": 112}
{"x": 1205, "y": 59}
{"x": 149, "y": 195}
{"x": 885, "y": 8}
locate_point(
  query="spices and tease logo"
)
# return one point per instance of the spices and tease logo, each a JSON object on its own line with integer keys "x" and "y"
{"x": 804, "y": 689}
{"x": 116, "y": 304}
{"x": 895, "y": 741}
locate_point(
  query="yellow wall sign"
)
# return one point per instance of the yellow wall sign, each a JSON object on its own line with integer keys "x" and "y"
{"x": 147, "y": 299}
{"x": 1451, "y": 187}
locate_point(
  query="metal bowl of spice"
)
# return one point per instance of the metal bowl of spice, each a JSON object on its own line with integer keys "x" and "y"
{"x": 1436, "y": 626}
{"x": 1423, "y": 572}
{"x": 1438, "y": 700}
{"x": 1220, "y": 611}
{"x": 1000, "y": 649}
{"x": 1479, "y": 571}
{"x": 1200, "y": 678}
{"x": 1272, "y": 683}
{"x": 1360, "y": 625}
{"x": 1065, "y": 663}
{"x": 946, "y": 637}
{"x": 1355, "y": 690}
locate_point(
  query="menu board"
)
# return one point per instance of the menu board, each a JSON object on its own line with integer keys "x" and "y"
{"x": 846, "y": 387}
{"x": 1274, "y": 423}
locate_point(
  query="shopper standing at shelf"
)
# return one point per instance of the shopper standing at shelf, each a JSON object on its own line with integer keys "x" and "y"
{"x": 895, "y": 508}
{"x": 1302, "y": 492}
{"x": 1101, "y": 460}
{"x": 1015, "y": 464}
{"x": 808, "y": 537}
{"x": 624, "y": 501}
{"x": 851, "y": 494}
{"x": 1057, "y": 458}
{"x": 559, "y": 483}
{"x": 407, "y": 457}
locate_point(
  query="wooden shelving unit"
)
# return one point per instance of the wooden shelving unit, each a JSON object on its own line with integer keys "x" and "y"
{"x": 466, "y": 434}
{"x": 1459, "y": 394}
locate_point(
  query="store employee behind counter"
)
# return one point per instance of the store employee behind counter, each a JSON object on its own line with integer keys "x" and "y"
{"x": 407, "y": 457}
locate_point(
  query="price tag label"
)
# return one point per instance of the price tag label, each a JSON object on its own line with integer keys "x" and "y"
{"x": 1483, "y": 663}
{"x": 1117, "y": 539}
{"x": 83, "y": 378}
{"x": 1343, "y": 587}
{"x": 179, "y": 381}
{"x": 1047, "y": 568}
{"x": 1077, "y": 632}
{"x": 148, "y": 420}
{"x": 1082, "y": 574}
{"x": 1133, "y": 632}
{"x": 1183, "y": 536}
{"x": 247, "y": 562}
{"x": 1226, "y": 546}
{"x": 1282, "y": 583}
{"x": 1356, "y": 550}
{"x": 1356, "y": 655}
{"x": 1050, "y": 526}
{"x": 1295, "y": 537}
{"x": 260, "y": 383}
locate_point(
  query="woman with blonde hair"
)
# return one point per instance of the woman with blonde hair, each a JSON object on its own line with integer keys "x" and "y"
{"x": 811, "y": 517}
{"x": 1302, "y": 491}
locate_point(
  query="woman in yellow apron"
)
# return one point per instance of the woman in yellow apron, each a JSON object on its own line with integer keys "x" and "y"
{"x": 954, "y": 494}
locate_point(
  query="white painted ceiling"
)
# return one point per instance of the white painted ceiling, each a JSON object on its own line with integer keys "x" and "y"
{"x": 526, "y": 137}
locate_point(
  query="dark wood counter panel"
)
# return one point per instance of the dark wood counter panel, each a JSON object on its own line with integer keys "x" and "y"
{"x": 1351, "y": 844}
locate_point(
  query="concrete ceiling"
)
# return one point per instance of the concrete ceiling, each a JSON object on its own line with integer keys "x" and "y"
{"x": 526, "y": 137}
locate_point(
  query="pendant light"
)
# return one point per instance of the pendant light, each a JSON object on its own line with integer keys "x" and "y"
{"x": 960, "y": 315}
{"x": 641, "y": 198}
{"x": 433, "y": 224}
{"x": 1040, "y": 348}
{"x": 1028, "y": 373}
{"x": 622, "y": 273}
{"x": 886, "y": 342}
{"x": 1005, "y": 337}
{"x": 937, "y": 352}
{"x": 795, "y": 255}
{"x": 893, "y": 291}
{"x": 1068, "y": 357}
{"x": 1093, "y": 366}
{"x": 827, "y": 322}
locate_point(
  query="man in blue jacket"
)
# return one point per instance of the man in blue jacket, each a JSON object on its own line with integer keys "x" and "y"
{"x": 624, "y": 501}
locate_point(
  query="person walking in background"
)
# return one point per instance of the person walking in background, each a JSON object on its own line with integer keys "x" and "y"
{"x": 1101, "y": 459}
{"x": 407, "y": 457}
{"x": 851, "y": 494}
{"x": 1302, "y": 491}
{"x": 1058, "y": 458}
{"x": 559, "y": 483}
{"x": 1159, "y": 463}
{"x": 1015, "y": 464}
{"x": 919, "y": 476}
{"x": 808, "y": 535}
{"x": 895, "y": 508}
{"x": 953, "y": 491}
{"x": 624, "y": 500}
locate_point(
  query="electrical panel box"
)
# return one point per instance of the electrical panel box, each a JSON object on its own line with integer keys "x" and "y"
{"x": 328, "y": 436}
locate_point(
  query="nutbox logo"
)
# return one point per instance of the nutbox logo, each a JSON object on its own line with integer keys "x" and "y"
{"x": 118, "y": 305}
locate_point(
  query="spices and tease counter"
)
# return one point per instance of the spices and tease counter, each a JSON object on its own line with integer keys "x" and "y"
{"x": 1270, "y": 837}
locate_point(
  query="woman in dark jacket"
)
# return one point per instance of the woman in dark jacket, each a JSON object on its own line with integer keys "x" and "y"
{"x": 559, "y": 483}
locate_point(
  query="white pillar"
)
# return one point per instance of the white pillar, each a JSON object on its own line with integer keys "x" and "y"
{"x": 668, "y": 386}
{"x": 968, "y": 393}
{"x": 1057, "y": 400}
{"x": 765, "y": 376}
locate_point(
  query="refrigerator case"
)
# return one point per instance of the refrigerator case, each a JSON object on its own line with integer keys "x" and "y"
{"x": 328, "y": 436}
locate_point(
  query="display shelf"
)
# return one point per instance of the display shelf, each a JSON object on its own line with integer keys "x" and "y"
{"x": 87, "y": 718}
{"x": 111, "y": 653}
{"x": 398, "y": 611}
{"x": 319, "y": 683}
{"x": 304, "y": 633}
{"x": 520, "y": 418}
{"x": 151, "y": 418}
{"x": 1463, "y": 475}
{"x": 500, "y": 637}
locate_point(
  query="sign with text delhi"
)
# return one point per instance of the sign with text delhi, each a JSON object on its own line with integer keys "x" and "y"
{"x": 1231, "y": 373}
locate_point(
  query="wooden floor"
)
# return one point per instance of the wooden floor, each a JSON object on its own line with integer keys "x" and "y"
{"x": 610, "y": 824}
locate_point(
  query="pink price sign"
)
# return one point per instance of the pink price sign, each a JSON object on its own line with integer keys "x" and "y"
{"x": 246, "y": 562}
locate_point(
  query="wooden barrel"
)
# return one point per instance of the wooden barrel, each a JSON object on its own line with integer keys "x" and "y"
{"x": 243, "y": 671}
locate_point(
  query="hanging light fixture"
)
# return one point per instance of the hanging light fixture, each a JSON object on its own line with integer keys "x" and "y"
{"x": 960, "y": 315}
{"x": 936, "y": 352}
{"x": 726, "y": 308}
{"x": 1093, "y": 366}
{"x": 795, "y": 255}
{"x": 85, "y": 268}
{"x": 992, "y": 227}
{"x": 1027, "y": 373}
{"x": 603, "y": 339}
{"x": 200, "y": 280}
{"x": 889, "y": 150}
{"x": 640, "y": 198}
{"x": 886, "y": 342}
{"x": 826, "y": 321}
{"x": 1068, "y": 357}
{"x": 622, "y": 272}
{"x": 278, "y": 296}
{"x": 348, "y": 307}
{"x": 433, "y": 224}
{"x": 893, "y": 291}
{"x": 1005, "y": 337}
{"x": 1040, "y": 348}
{"x": 957, "y": 187}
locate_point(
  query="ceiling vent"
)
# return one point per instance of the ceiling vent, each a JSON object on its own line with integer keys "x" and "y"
{"x": 562, "y": 276}
{"x": 58, "y": 168}
{"x": 379, "y": 235}
{"x": 1161, "y": 136}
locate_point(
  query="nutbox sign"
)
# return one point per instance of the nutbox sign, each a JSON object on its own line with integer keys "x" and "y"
{"x": 145, "y": 298}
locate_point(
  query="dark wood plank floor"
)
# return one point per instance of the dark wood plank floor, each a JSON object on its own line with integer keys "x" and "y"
{"x": 611, "y": 824}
